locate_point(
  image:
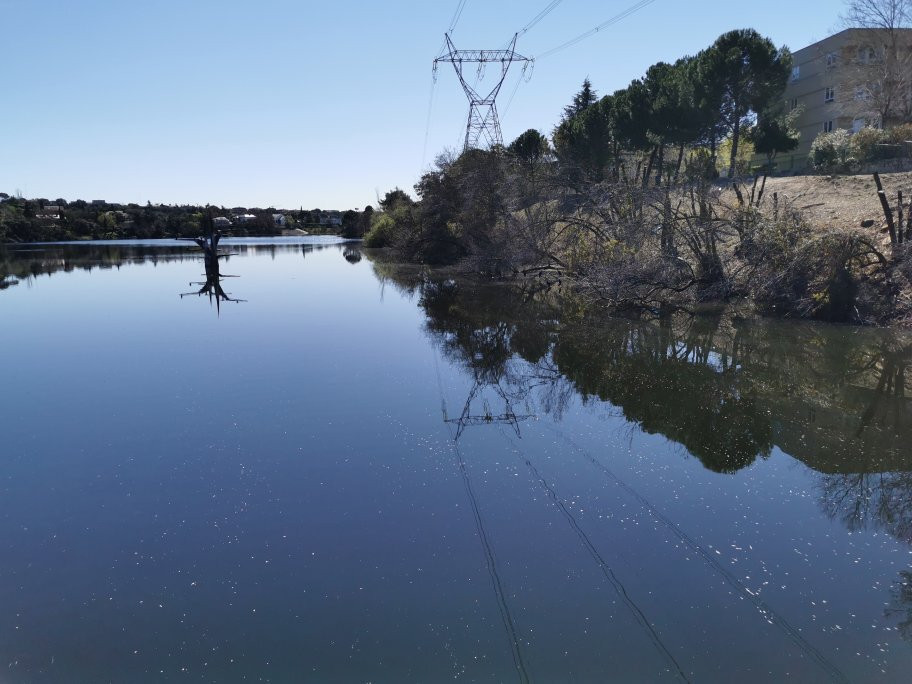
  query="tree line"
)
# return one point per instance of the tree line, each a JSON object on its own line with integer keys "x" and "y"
{"x": 730, "y": 91}
{"x": 44, "y": 220}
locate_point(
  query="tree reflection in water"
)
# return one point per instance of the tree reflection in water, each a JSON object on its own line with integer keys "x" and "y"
{"x": 727, "y": 389}
{"x": 900, "y": 606}
{"x": 212, "y": 286}
{"x": 863, "y": 500}
{"x": 351, "y": 253}
{"x": 486, "y": 353}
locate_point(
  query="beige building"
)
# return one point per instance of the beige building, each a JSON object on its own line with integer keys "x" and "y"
{"x": 849, "y": 80}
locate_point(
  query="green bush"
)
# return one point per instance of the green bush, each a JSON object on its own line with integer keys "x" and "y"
{"x": 382, "y": 232}
{"x": 865, "y": 142}
{"x": 831, "y": 152}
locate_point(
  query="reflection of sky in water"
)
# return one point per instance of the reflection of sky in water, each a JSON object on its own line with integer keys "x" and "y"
{"x": 272, "y": 492}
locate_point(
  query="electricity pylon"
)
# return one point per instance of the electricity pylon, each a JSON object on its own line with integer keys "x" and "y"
{"x": 467, "y": 419}
{"x": 483, "y": 125}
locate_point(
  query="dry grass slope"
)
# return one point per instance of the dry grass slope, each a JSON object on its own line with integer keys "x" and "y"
{"x": 840, "y": 201}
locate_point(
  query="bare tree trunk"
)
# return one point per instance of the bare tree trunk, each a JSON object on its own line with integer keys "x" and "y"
{"x": 762, "y": 188}
{"x": 648, "y": 171}
{"x": 667, "y": 226}
{"x": 660, "y": 167}
{"x": 617, "y": 159}
{"x": 736, "y": 134}
{"x": 678, "y": 165}
{"x": 899, "y": 223}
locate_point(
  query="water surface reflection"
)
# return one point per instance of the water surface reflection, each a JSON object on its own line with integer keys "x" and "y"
{"x": 726, "y": 389}
{"x": 375, "y": 472}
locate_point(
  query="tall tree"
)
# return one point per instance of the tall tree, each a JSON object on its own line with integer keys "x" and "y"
{"x": 586, "y": 97}
{"x": 586, "y": 142}
{"x": 632, "y": 113}
{"x": 741, "y": 74}
{"x": 694, "y": 124}
{"x": 530, "y": 147}
{"x": 393, "y": 198}
{"x": 673, "y": 117}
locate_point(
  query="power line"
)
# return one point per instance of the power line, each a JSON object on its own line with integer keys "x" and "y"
{"x": 541, "y": 15}
{"x": 488, "y": 548}
{"x": 427, "y": 128}
{"x": 523, "y": 78}
{"x": 596, "y": 555}
{"x": 427, "y": 131}
{"x": 457, "y": 15}
{"x": 523, "y": 31}
{"x": 615, "y": 19}
{"x": 764, "y": 609}
{"x": 455, "y": 20}
{"x": 510, "y": 101}
{"x": 491, "y": 563}
{"x": 535, "y": 20}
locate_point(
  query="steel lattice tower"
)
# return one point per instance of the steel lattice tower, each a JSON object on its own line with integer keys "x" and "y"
{"x": 483, "y": 125}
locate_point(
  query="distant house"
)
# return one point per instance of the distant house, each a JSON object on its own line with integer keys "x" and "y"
{"x": 50, "y": 212}
{"x": 331, "y": 218}
{"x": 279, "y": 220}
{"x": 221, "y": 222}
{"x": 244, "y": 218}
{"x": 98, "y": 203}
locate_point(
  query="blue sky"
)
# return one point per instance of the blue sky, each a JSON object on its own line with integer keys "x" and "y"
{"x": 293, "y": 103}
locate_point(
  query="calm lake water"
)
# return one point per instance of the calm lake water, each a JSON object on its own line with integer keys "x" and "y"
{"x": 357, "y": 473}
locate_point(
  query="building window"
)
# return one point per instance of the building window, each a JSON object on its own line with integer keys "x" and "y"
{"x": 829, "y": 94}
{"x": 857, "y": 125}
{"x": 827, "y": 126}
{"x": 861, "y": 93}
{"x": 793, "y": 104}
{"x": 796, "y": 73}
{"x": 832, "y": 59}
{"x": 867, "y": 55}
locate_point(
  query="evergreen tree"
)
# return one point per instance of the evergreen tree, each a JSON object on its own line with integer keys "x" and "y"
{"x": 585, "y": 98}
{"x": 775, "y": 132}
{"x": 530, "y": 147}
{"x": 741, "y": 74}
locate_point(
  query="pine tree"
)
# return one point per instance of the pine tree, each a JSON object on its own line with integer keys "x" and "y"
{"x": 581, "y": 101}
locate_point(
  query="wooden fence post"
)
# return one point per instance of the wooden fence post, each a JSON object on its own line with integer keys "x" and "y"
{"x": 899, "y": 233}
{"x": 908, "y": 223}
{"x": 888, "y": 211}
